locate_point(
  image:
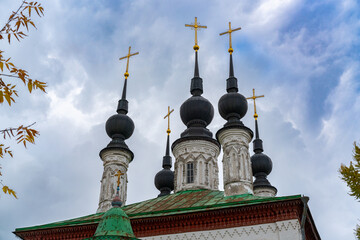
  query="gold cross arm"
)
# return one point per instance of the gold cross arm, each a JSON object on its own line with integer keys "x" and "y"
{"x": 231, "y": 50}
{"x": 168, "y": 116}
{"x": 195, "y": 26}
{"x": 253, "y": 97}
{"x": 118, "y": 174}
{"x": 126, "y": 74}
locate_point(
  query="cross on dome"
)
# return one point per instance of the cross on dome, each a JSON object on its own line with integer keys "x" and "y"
{"x": 253, "y": 97}
{"x": 168, "y": 116}
{"x": 126, "y": 74}
{"x": 231, "y": 50}
{"x": 195, "y": 26}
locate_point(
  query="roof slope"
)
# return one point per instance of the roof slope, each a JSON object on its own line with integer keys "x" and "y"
{"x": 177, "y": 203}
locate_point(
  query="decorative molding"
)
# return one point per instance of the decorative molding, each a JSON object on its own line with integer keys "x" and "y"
{"x": 283, "y": 230}
{"x": 229, "y": 217}
{"x": 265, "y": 191}
{"x": 113, "y": 160}
{"x": 237, "y": 172}
{"x": 203, "y": 154}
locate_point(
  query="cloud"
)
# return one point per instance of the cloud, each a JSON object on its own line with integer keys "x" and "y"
{"x": 300, "y": 54}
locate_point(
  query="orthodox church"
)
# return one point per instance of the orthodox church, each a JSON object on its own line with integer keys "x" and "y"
{"x": 190, "y": 205}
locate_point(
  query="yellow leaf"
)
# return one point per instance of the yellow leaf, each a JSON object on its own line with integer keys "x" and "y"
{"x": 30, "y": 86}
{"x": 7, "y": 97}
{"x": 5, "y": 189}
{"x": 2, "y": 66}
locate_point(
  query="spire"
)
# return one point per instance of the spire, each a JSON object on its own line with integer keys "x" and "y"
{"x": 167, "y": 158}
{"x": 196, "y": 87}
{"x": 196, "y": 112}
{"x": 164, "y": 179}
{"x": 232, "y": 105}
{"x": 260, "y": 162}
{"x": 123, "y": 103}
{"x": 232, "y": 85}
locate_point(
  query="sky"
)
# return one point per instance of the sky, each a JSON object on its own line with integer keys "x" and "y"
{"x": 302, "y": 55}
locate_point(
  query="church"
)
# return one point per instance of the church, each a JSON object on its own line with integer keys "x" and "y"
{"x": 190, "y": 204}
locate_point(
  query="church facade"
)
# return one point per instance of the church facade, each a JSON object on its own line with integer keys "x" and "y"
{"x": 248, "y": 208}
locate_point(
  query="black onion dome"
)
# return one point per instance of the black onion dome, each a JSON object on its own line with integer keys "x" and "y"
{"x": 261, "y": 164}
{"x": 164, "y": 179}
{"x": 232, "y": 105}
{"x": 120, "y": 127}
{"x": 196, "y": 110}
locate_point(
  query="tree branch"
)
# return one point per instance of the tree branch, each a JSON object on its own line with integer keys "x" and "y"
{"x": 13, "y": 16}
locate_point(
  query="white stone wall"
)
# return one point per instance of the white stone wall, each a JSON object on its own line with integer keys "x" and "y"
{"x": 237, "y": 172}
{"x": 113, "y": 160}
{"x": 203, "y": 154}
{"x": 283, "y": 230}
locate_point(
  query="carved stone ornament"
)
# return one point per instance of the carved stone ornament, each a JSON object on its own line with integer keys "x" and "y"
{"x": 203, "y": 155}
{"x": 113, "y": 160}
{"x": 237, "y": 173}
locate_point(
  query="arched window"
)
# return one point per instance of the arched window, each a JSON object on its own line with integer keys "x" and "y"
{"x": 190, "y": 172}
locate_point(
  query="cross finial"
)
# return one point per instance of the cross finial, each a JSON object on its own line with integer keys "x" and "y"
{"x": 118, "y": 174}
{"x": 231, "y": 50}
{"x": 253, "y": 97}
{"x": 126, "y": 74}
{"x": 195, "y": 27}
{"x": 168, "y": 116}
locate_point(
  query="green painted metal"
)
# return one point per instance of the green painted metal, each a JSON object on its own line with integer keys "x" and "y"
{"x": 114, "y": 224}
{"x": 178, "y": 203}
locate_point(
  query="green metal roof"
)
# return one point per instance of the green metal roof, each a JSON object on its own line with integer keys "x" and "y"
{"x": 114, "y": 224}
{"x": 177, "y": 203}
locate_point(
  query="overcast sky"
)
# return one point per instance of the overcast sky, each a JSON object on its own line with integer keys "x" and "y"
{"x": 302, "y": 55}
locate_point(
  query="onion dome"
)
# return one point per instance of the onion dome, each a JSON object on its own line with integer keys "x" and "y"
{"x": 164, "y": 179}
{"x": 120, "y": 127}
{"x": 232, "y": 105}
{"x": 196, "y": 112}
{"x": 261, "y": 163}
{"x": 114, "y": 224}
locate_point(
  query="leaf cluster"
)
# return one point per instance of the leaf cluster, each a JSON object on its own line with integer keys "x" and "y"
{"x": 15, "y": 26}
{"x": 351, "y": 174}
{"x": 9, "y": 191}
{"x": 7, "y": 90}
{"x": 21, "y": 18}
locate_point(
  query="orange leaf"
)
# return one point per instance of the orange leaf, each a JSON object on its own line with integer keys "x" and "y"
{"x": 30, "y": 86}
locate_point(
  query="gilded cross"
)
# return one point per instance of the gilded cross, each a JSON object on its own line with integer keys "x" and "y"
{"x": 168, "y": 116}
{"x": 229, "y": 32}
{"x": 126, "y": 74}
{"x": 118, "y": 174}
{"x": 253, "y": 97}
{"x": 195, "y": 27}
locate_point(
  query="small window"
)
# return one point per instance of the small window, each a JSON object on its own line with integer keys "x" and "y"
{"x": 190, "y": 172}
